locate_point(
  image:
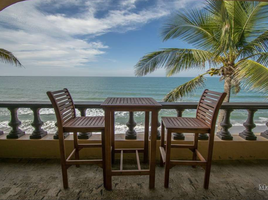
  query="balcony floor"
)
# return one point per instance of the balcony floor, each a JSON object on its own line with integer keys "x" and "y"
{"x": 41, "y": 179}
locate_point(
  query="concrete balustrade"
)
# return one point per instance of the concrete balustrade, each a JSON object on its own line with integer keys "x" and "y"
{"x": 224, "y": 134}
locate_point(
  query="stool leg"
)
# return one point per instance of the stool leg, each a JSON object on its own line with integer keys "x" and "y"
{"x": 162, "y": 142}
{"x": 167, "y": 165}
{"x": 76, "y": 148}
{"x": 63, "y": 160}
{"x": 103, "y": 156}
{"x": 195, "y": 147}
{"x": 108, "y": 154}
{"x": 209, "y": 160}
{"x": 146, "y": 137}
{"x": 153, "y": 148}
{"x": 64, "y": 176}
{"x": 112, "y": 137}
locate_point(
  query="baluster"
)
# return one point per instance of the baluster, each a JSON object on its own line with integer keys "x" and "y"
{"x": 224, "y": 133}
{"x": 14, "y": 123}
{"x": 265, "y": 133}
{"x": 56, "y": 136}
{"x": 84, "y": 135}
{"x": 179, "y": 136}
{"x": 38, "y": 132}
{"x": 249, "y": 125}
{"x": 131, "y": 133}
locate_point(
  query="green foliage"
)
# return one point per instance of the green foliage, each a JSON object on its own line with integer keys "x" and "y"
{"x": 185, "y": 88}
{"x": 231, "y": 36}
{"x": 174, "y": 60}
{"x": 8, "y": 57}
{"x": 253, "y": 75}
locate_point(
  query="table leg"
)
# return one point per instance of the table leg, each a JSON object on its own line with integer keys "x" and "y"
{"x": 108, "y": 164}
{"x": 112, "y": 136}
{"x": 146, "y": 136}
{"x": 153, "y": 148}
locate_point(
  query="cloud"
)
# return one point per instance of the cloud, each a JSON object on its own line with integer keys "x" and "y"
{"x": 121, "y": 18}
{"x": 50, "y": 33}
{"x": 128, "y": 4}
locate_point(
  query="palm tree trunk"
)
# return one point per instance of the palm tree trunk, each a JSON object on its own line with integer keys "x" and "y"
{"x": 227, "y": 89}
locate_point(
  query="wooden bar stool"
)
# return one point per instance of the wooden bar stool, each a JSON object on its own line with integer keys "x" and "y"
{"x": 204, "y": 122}
{"x": 67, "y": 121}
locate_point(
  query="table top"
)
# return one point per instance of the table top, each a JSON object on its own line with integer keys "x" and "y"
{"x": 130, "y": 102}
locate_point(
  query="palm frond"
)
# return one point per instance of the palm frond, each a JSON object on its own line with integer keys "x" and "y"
{"x": 261, "y": 58}
{"x": 193, "y": 26}
{"x": 223, "y": 29}
{"x": 253, "y": 20}
{"x": 235, "y": 86}
{"x": 174, "y": 60}
{"x": 253, "y": 76}
{"x": 258, "y": 45}
{"x": 185, "y": 89}
{"x": 8, "y": 57}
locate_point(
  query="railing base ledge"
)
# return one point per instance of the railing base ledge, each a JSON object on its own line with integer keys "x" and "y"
{"x": 39, "y": 136}
{"x": 84, "y": 135}
{"x": 203, "y": 136}
{"x": 246, "y": 136}
{"x": 16, "y": 135}
{"x": 131, "y": 135}
{"x": 224, "y": 136}
{"x": 264, "y": 134}
{"x": 64, "y": 134}
{"x": 178, "y": 136}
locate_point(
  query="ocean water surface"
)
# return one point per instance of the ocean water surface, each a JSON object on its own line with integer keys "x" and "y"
{"x": 99, "y": 88}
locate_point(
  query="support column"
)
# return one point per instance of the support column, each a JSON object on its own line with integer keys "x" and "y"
{"x": 179, "y": 136}
{"x": 131, "y": 133}
{"x": 38, "y": 132}
{"x": 224, "y": 134}
{"x": 265, "y": 133}
{"x": 56, "y": 136}
{"x": 84, "y": 135}
{"x": 249, "y": 125}
{"x": 14, "y": 123}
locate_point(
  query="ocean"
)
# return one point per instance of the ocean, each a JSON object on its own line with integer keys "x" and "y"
{"x": 99, "y": 88}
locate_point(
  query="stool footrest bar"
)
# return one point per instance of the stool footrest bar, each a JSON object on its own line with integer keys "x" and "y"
{"x": 130, "y": 172}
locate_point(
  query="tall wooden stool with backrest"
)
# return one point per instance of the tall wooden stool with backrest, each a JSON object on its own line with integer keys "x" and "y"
{"x": 204, "y": 122}
{"x": 68, "y": 122}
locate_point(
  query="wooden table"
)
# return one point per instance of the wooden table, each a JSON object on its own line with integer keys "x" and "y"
{"x": 148, "y": 105}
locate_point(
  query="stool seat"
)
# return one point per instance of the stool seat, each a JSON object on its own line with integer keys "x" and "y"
{"x": 185, "y": 124}
{"x": 81, "y": 123}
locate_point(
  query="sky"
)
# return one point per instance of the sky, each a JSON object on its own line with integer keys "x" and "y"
{"x": 87, "y": 37}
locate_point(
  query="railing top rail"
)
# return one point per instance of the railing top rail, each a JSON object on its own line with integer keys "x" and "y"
{"x": 165, "y": 105}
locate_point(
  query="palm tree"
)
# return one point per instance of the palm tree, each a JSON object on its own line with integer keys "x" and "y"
{"x": 8, "y": 57}
{"x": 230, "y": 40}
